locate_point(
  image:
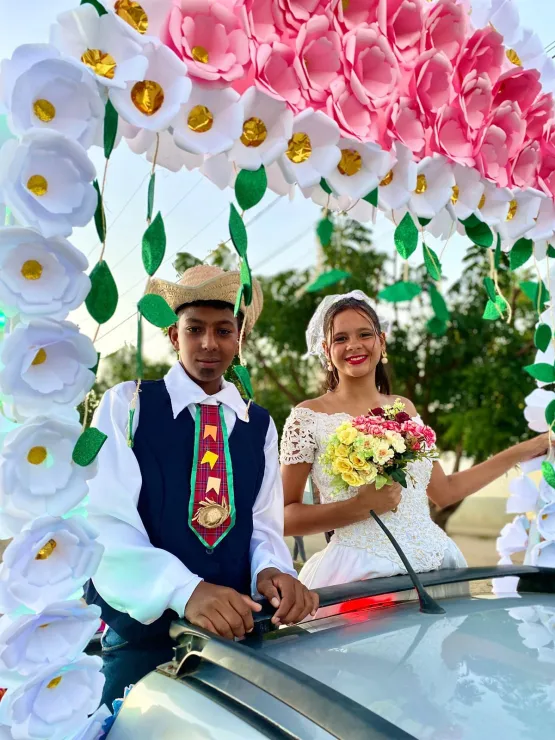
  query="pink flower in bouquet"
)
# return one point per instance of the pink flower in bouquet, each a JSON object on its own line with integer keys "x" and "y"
{"x": 446, "y": 28}
{"x": 355, "y": 120}
{"x": 378, "y": 411}
{"x": 402, "y": 416}
{"x": 402, "y": 22}
{"x": 540, "y": 113}
{"x": 351, "y": 13}
{"x": 290, "y": 15}
{"x": 258, "y": 19}
{"x": 475, "y": 99}
{"x": 431, "y": 85}
{"x": 406, "y": 125}
{"x": 371, "y": 66}
{"x": 319, "y": 58}
{"x": 501, "y": 140}
{"x": 276, "y": 76}
{"x": 452, "y": 137}
{"x": 209, "y": 36}
{"x": 526, "y": 166}
{"x": 484, "y": 52}
{"x": 520, "y": 86}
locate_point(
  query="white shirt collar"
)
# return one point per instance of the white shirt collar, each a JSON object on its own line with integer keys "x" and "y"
{"x": 183, "y": 392}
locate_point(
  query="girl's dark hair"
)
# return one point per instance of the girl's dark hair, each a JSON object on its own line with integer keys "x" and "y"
{"x": 332, "y": 378}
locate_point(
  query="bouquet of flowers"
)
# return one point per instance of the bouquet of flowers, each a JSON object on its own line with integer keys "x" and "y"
{"x": 377, "y": 448}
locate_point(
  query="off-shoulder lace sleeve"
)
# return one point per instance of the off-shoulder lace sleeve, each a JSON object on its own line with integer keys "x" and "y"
{"x": 298, "y": 443}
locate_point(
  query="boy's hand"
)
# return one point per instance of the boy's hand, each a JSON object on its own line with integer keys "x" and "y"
{"x": 292, "y": 600}
{"x": 221, "y": 610}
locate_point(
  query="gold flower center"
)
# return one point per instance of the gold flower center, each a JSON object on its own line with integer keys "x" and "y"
{"x": 40, "y": 357}
{"x": 31, "y": 270}
{"x": 513, "y": 57}
{"x": 254, "y": 132}
{"x": 200, "y": 119}
{"x": 482, "y": 202}
{"x": 300, "y": 148}
{"x": 388, "y": 179}
{"x": 350, "y": 162}
{"x": 200, "y": 54}
{"x": 101, "y": 63}
{"x": 545, "y": 516}
{"x": 36, "y": 455}
{"x": 133, "y": 14}
{"x": 44, "y": 110}
{"x": 45, "y": 552}
{"x": 513, "y": 208}
{"x": 55, "y": 682}
{"x": 147, "y": 96}
{"x": 38, "y": 185}
{"x": 455, "y": 196}
{"x": 421, "y": 184}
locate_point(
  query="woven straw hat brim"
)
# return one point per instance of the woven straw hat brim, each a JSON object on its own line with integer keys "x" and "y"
{"x": 223, "y": 287}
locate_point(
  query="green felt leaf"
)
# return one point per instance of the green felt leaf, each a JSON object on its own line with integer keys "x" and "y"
{"x": 102, "y": 300}
{"x": 156, "y": 311}
{"x": 325, "y": 187}
{"x": 550, "y": 413}
{"x": 246, "y": 282}
{"x": 372, "y": 198}
{"x": 406, "y": 237}
{"x": 154, "y": 245}
{"x": 489, "y": 285}
{"x": 438, "y": 304}
{"x": 250, "y": 187}
{"x": 520, "y": 253}
{"x": 245, "y": 379}
{"x": 541, "y": 371}
{"x": 99, "y": 219}
{"x": 139, "y": 350}
{"x": 530, "y": 290}
{"x": 495, "y": 309}
{"x": 95, "y": 368}
{"x": 480, "y": 234}
{"x": 437, "y": 327}
{"x": 150, "y": 197}
{"x": 543, "y": 336}
{"x": 470, "y": 222}
{"x": 326, "y": 280}
{"x": 433, "y": 265}
{"x": 424, "y": 221}
{"x": 88, "y": 446}
{"x": 238, "y": 300}
{"x": 548, "y": 473}
{"x": 550, "y": 251}
{"x": 325, "y": 231}
{"x": 399, "y": 292}
{"x": 497, "y": 256}
{"x": 237, "y": 231}
{"x": 110, "y": 129}
{"x": 96, "y": 5}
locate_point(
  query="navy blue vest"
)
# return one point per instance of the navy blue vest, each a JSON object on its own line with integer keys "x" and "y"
{"x": 163, "y": 447}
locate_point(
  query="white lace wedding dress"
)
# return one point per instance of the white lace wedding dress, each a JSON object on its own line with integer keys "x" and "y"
{"x": 360, "y": 551}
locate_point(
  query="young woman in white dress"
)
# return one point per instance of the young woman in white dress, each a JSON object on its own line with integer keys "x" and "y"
{"x": 346, "y": 332}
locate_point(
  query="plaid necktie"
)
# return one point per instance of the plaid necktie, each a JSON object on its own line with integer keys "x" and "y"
{"x": 212, "y": 504}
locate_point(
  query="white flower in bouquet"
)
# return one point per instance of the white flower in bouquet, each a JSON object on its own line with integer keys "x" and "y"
{"x": 434, "y": 187}
{"x": 267, "y": 127}
{"x": 40, "y": 276}
{"x": 153, "y": 100}
{"x": 37, "y": 474}
{"x": 31, "y": 642}
{"x": 360, "y": 170}
{"x": 46, "y": 180}
{"x": 48, "y": 561}
{"x": 101, "y": 44}
{"x": 56, "y": 702}
{"x": 45, "y": 91}
{"x": 92, "y": 729}
{"x": 46, "y": 367}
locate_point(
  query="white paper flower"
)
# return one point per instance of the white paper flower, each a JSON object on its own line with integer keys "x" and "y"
{"x": 543, "y": 554}
{"x": 544, "y": 226}
{"x": 540, "y": 247}
{"x": 267, "y": 128}
{"x": 31, "y": 642}
{"x": 210, "y": 121}
{"x": 40, "y": 276}
{"x": 48, "y": 561}
{"x": 277, "y": 182}
{"x": 312, "y": 151}
{"x": 360, "y": 170}
{"x": 55, "y": 703}
{"x": 513, "y": 537}
{"x": 363, "y": 212}
{"x": 521, "y": 217}
{"x": 443, "y": 225}
{"x": 547, "y": 494}
{"x": 546, "y": 522}
{"x": 534, "y": 412}
{"x": 434, "y": 187}
{"x": 547, "y": 74}
{"x": 100, "y": 44}
{"x": 143, "y": 19}
{"x": 529, "y": 49}
{"x": 494, "y": 204}
{"x": 219, "y": 170}
{"x": 92, "y": 729}
{"x": 467, "y": 193}
{"x": 524, "y": 495}
{"x": 46, "y": 367}
{"x": 37, "y": 473}
{"x": 505, "y": 19}
{"x": 46, "y": 179}
{"x": 318, "y": 195}
{"x": 398, "y": 185}
{"x": 153, "y": 100}
{"x": 45, "y": 91}
{"x": 168, "y": 155}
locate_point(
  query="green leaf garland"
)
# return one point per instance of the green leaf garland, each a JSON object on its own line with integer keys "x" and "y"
{"x": 548, "y": 473}
{"x": 99, "y": 218}
{"x": 154, "y": 245}
{"x": 150, "y": 197}
{"x": 520, "y": 253}
{"x": 156, "y": 311}
{"x": 497, "y": 256}
{"x": 495, "y": 309}
{"x": 433, "y": 265}
{"x": 406, "y": 237}
{"x": 250, "y": 187}
{"x": 110, "y": 129}
{"x": 424, "y": 221}
{"x": 237, "y": 231}
{"x": 437, "y": 327}
{"x": 95, "y": 368}
{"x": 325, "y": 187}
{"x": 327, "y": 279}
{"x": 530, "y": 290}
{"x": 399, "y": 292}
{"x": 550, "y": 413}
{"x": 480, "y": 234}
{"x": 245, "y": 379}
{"x": 372, "y": 198}
{"x": 96, "y": 5}
{"x": 489, "y": 285}
{"x": 88, "y": 446}
{"x": 246, "y": 282}
{"x": 102, "y": 299}
{"x": 541, "y": 371}
{"x": 324, "y": 231}
{"x": 543, "y": 337}
{"x": 438, "y": 304}
{"x": 550, "y": 251}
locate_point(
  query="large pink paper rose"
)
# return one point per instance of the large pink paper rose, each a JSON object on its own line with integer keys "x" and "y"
{"x": 446, "y": 28}
{"x": 407, "y": 126}
{"x": 402, "y": 21}
{"x": 452, "y": 137}
{"x": 209, "y": 36}
{"x": 540, "y": 113}
{"x": 371, "y": 66}
{"x": 500, "y": 141}
{"x": 290, "y": 15}
{"x": 275, "y": 74}
{"x": 348, "y": 14}
{"x": 484, "y": 53}
{"x": 475, "y": 99}
{"x": 258, "y": 20}
{"x": 319, "y": 58}
{"x": 520, "y": 86}
{"x": 355, "y": 120}
{"x": 431, "y": 84}
{"x": 526, "y": 166}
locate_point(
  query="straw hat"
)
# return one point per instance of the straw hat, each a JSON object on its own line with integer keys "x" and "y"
{"x": 209, "y": 283}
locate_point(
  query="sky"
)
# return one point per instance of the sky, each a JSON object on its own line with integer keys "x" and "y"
{"x": 195, "y": 211}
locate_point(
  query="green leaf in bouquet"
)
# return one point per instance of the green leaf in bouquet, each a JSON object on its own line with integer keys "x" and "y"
{"x": 542, "y": 337}
{"x": 399, "y": 292}
{"x": 250, "y": 187}
{"x": 381, "y": 481}
{"x": 541, "y": 371}
{"x": 548, "y": 473}
{"x": 406, "y": 237}
{"x": 520, "y": 253}
{"x": 399, "y": 476}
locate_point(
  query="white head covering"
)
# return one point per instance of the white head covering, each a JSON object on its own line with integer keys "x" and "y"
{"x": 315, "y": 332}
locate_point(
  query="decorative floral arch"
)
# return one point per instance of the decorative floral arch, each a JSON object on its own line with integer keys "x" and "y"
{"x": 438, "y": 115}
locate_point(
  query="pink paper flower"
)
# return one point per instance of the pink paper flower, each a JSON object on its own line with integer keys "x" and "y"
{"x": 407, "y": 126}
{"x": 402, "y": 22}
{"x": 525, "y": 169}
{"x": 290, "y": 15}
{"x": 319, "y": 58}
{"x": 500, "y": 141}
{"x": 258, "y": 19}
{"x": 371, "y": 66}
{"x": 475, "y": 99}
{"x": 431, "y": 84}
{"x": 452, "y": 137}
{"x": 484, "y": 52}
{"x": 209, "y": 36}
{"x": 539, "y": 114}
{"x": 275, "y": 74}
{"x": 348, "y": 15}
{"x": 446, "y": 28}
{"x": 355, "y": 120}
{"x": 546, "y": 178}
{"x": 520, "y": 86}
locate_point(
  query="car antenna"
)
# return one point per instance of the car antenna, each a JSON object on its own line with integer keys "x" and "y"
{"x": 428, "y": 605}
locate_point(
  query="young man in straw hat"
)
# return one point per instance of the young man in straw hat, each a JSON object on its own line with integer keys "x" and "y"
{"x": 188, "y": 500}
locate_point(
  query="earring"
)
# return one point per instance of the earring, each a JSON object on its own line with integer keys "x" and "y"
{"x": 384, "y": 357}
{"x": 330, "y": 366}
